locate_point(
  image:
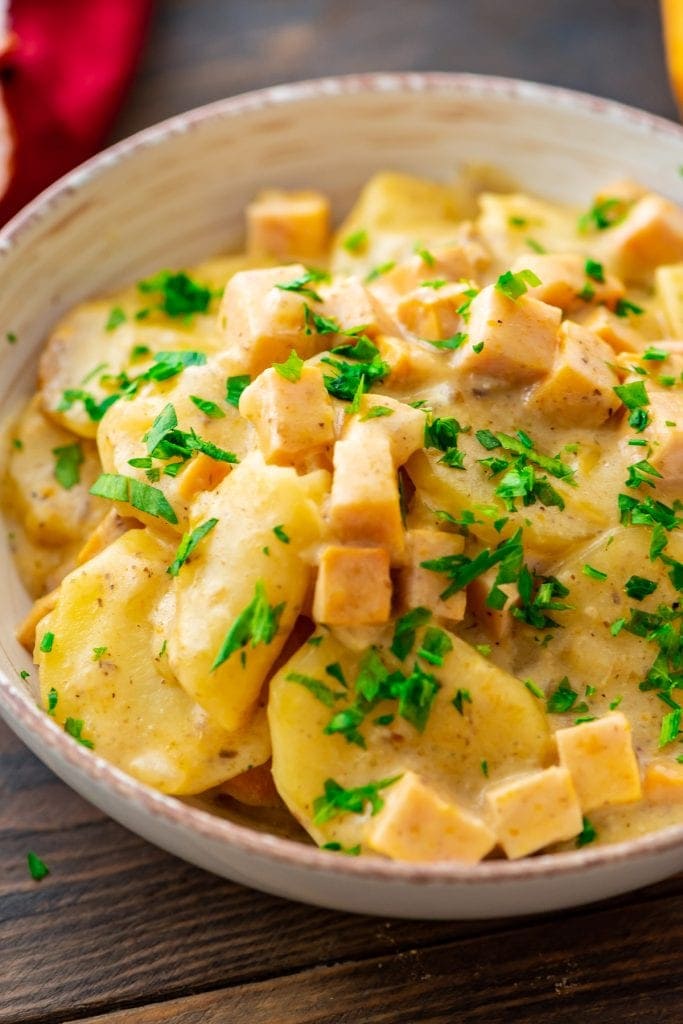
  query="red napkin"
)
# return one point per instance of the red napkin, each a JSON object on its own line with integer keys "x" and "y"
{"x": 64, "y": 71}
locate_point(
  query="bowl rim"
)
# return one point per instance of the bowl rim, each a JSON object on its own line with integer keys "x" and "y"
{"x": 174, "y": 812}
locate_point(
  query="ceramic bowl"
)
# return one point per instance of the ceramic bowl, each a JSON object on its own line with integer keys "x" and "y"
{"x": 176, "y": 192}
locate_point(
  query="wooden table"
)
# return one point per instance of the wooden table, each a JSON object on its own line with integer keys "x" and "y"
{"x": 125, "y": 934}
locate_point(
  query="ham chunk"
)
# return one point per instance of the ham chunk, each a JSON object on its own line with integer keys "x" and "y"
{"x": 420, "y": 587}
{"x": 614, "y": 330}
{"x": 534, "y": 811}
{"x": 353, "y": 587}
{"x": 600, "y": 757}
{"x": 288, "y": 225}
{"x": 352, "y": 305}
{"x": 651, "y": 234}
{"x": 432, "y": 313}
{"x": 293, "y": 419}
{"x": 665, "y": 433}
{"x": 261, "y": 323}
{"x": 364, "y": 505}
{"x": 566, "y": 283}
{"x": 579, "y": 388}
{"x": 518, "y": 338}
{"x": 402, "y": 425}
{"x": 663, "y": 783}
{"x": 416, "y": 824}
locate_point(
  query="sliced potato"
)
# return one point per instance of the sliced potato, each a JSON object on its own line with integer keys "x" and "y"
{"x": 87, "y": 344}
{"x": 121, "y": 433}
{"x": 501, "y": 724}
{"x": 52, "y": 514}
{"x": 394, "y": 213}
{"x": 220, "y": 581}
{"x": 108, "y": 671}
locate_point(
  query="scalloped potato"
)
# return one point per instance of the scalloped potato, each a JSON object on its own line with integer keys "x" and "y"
{"x": 388, "y": 545}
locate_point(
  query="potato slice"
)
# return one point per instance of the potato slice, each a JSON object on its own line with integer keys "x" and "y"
{"x": 392, "y": 214}
{"x": 52, "y": 514}
{"x": 108, "y": 671}
{"x": 121, "y": 432}
{"x": 501, "y": 724}
{"x": 85, "y": 345}
{"x": 241, "y": 555}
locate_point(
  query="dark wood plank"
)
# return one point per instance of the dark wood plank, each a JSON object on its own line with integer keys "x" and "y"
{"x": 202, "y": 50}
{"x": 538, "y": 975}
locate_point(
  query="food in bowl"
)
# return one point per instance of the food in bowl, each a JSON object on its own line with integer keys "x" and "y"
{"x": 381, "y": 528}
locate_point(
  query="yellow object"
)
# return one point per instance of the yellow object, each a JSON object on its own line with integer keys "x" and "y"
{"x": 415, "y": 824}
{"x": 534, "y": 811}
{"x": 672, "y": 16}
{"x": 600, "y": 757}
{"x": 353, "y": 587}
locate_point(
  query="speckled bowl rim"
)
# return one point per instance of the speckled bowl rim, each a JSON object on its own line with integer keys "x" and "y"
{"x": 176, "y": 814}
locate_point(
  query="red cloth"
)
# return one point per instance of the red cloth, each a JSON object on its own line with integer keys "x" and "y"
{"x": 64, "y": 76}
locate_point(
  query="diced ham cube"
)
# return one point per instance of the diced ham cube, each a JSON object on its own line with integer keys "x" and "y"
{"x": 288, "y": 225}
{"x": 420, "y": 587}
{"x": 293, "y": 419}
{"x": 353, "y": 587}
{"x": 564, "y": 281}
{"x": 416, "y": 824}
{"x": 511, "y": 340}
{"x": 533, "y": 811}
{"x": 261, "y": 323}
{"x": 600, "y": 757}
{"x": 400, "y": 423}
{"x": 650, "y": 235}
{"x": 578, "y": 390}
{"x": 364, "y": 505}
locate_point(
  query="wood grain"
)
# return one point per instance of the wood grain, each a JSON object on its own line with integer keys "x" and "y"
{"x": 124, "y": 934}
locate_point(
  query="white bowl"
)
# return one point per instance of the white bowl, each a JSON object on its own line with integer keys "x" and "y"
{"x": 175, "y": 193}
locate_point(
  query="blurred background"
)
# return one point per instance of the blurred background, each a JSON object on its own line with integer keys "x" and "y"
{"x": 200, "y": 50}
{"x": 78, "y": 74}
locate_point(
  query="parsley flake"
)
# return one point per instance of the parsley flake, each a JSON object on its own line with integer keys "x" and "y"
{"x": 257, "y": 623}
{"x": 68, "y": 462}
{"x": 188, "y": 544}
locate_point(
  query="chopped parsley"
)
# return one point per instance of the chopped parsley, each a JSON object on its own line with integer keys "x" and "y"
{"x": 451, "y": 344}
{"x": 279, "y": 532}
{"x": 74, "y": 728}
{"x": 143, "y": 497}
{"x": 594, "y": 574}
{"x": 602, "y": 215}
{"x": 671, "y": 726}
{"x": 587, "y": 834}
{"x": 188, "y": 544}
{"x": 47, "y": 643}
{"x": 115, "y": 319}
{"x": 11, "y": 338}
{"x": 314, "y": 686}
{"x": 291, "y": 368}
{"x": 258, "y": 623}
{"x": 533, "y": 688}
{"x": 302, "y": 284}
{"x": 436, "y": 644}
{"x": 380, "y": 270}
{"x": 595, "y": 271}
{"x": 639, "y": 587}
{"x": 178, "y": 294}
{"x": 52, "y": 701}
{"x": 209, "y": 408}
{"x": 514, "y": 285}
{"x": 336, "y": 800}
{"x": 405, "y": 631}
{"x": 461, "y": 698}
{"x": 623, "y": 307}
{"x": 37, "y": 868}
{"x": 356, "y": 242}
{"x": 353, "y": 379}
{"x": 562, "y": 699}
{"x": 376, "y": 412}
{"x": 350, "y": 851}
{"x": 460, "y": 569}
{"x": 234, "y": 388}
{"x": 68, "y": 461}
{"x": 99, "y": 652}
